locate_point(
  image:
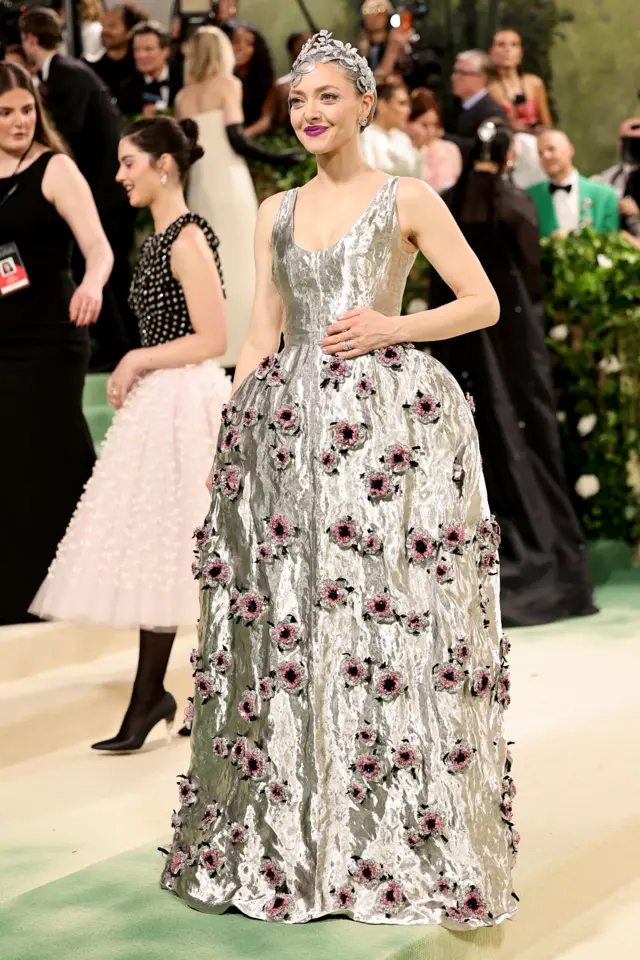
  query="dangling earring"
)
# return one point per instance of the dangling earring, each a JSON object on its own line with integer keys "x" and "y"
{"x": 163, "y": 179}
{"x": 363, "y": 121}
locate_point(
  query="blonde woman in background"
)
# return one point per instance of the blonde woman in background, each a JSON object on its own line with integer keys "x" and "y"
{"x": 91, "y": 12}
{"x": 220, "y": 188}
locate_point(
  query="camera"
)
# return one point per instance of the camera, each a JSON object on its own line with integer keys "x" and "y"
{"x": 423, "y": 66}
{"x": 631, "y": 148}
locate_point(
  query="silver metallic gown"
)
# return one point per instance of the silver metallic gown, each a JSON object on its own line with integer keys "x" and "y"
{"x": 348, "y": 753}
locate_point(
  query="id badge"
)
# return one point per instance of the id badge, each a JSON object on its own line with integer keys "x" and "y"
{"x": 13, "y": 275}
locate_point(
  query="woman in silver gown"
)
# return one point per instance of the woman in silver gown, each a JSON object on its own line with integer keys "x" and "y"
{"x": 348, "y": 755}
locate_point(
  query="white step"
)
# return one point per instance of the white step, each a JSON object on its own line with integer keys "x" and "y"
{"x": 30, "y": 648}
{"x": 77, "y": 701}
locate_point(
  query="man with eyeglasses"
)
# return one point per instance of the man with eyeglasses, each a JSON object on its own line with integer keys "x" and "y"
{"x": 469, "y": 84}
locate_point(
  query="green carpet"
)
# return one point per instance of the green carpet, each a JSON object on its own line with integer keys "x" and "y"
{"x": 116, "y": 911}
{"x": 97, "y": 411}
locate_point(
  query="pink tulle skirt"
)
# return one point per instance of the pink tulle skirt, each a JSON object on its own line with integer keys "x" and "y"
{"x": 126, "y": 557}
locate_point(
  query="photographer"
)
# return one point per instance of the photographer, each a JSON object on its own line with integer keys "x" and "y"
{"x": 625, "y": 178}
{"x": 385, "y": 48}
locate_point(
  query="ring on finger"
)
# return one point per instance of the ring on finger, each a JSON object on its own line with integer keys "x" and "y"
{"x": 346, "y": 346}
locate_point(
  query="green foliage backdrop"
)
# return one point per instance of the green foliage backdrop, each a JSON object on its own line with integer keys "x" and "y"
{"x": 593, "y": 305}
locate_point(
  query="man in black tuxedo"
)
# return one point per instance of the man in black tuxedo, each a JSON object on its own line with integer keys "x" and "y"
{"x": 85, "y": 115}
{"x": 469, "y": 84}
{"x": 157, "y": 79}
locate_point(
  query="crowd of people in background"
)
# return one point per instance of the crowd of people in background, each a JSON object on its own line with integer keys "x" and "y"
{"x": 143, "y": 65}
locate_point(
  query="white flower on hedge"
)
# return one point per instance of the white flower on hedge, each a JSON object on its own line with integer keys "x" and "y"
{"x": 586, "y": 424}
{"x": 559, "y": 332}
{"x": 561, "y": 416}
{"x": 610, "y": 364}
{"x": 416, "y": 305}
{"x": 587, "y": 485}
{"x": 604, "y": 261}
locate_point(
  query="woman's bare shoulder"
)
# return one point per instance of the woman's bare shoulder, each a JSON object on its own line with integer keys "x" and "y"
{"x": 413, "y": 191}
{"x": 268, "y": 212}
{"x": 533, "y": 80}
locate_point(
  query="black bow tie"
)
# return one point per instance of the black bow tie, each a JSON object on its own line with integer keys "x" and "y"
{"x": 558, "y": 186}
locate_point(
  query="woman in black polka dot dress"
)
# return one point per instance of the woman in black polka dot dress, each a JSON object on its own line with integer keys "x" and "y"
{"x": 126, "y": 557}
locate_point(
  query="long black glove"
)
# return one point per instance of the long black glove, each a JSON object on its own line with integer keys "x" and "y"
{"x": 251, "y": 151}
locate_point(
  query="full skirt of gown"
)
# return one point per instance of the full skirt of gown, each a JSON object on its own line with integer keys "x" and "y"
{"x": 126, "y": 556}
{"x": 347, "y": 749}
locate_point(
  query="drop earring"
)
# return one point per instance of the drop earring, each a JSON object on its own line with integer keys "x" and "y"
{"x": 363, "y": 121}
{"x": 163, "y": 179}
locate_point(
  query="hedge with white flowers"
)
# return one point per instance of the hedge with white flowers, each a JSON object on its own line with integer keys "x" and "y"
{"x": 592, "y": 298}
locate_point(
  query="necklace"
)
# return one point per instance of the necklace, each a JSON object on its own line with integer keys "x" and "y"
{"x": 10, "y": 192}
{"x": 22, "y": 159}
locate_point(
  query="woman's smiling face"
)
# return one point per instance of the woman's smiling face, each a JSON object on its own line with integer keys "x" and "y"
{"x": 326, "y": 108}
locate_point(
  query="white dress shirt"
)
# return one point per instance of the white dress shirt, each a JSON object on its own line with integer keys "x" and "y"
{"x": 46, "y": 66}
{"x": 567, "y": 205}
{"x": 165, "y": 89}
{"x": 471, "y": 101}
{"x": 391, "y": 151}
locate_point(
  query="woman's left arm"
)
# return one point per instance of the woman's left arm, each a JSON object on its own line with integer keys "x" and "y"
{"x": 193, "y": 265}
{"x": 65, "y": 187}
{"x": 427, "y": 224}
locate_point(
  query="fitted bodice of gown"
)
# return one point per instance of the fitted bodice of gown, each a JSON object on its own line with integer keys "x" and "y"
{"x": 367, "y": 267}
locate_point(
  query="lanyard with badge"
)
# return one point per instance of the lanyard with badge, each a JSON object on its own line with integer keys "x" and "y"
{"x": 13, "y": 274}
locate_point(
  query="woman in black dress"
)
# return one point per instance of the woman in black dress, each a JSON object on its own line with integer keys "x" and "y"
{"x": 544, "y": 565}
{"x": 44, "y": 349}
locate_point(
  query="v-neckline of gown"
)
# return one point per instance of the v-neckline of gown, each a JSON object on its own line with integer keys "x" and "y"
{"x": 344, "y": 236}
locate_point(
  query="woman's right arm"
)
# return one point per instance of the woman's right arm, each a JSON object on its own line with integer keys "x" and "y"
{"x": 263, "y": 337}
{"x": 64, "y": 186}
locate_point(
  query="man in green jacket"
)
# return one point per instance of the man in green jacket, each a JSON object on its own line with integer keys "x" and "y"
{"x": 568, "y": 201}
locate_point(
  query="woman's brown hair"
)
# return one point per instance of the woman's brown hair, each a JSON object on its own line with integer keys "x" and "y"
{"x": 15, "y": 77}
{"x": 422, "y": 101}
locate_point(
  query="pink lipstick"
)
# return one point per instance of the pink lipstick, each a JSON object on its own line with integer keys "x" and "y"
{"x": 315, "y": 131}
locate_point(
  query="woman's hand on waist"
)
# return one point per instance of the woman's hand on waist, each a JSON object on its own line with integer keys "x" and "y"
{"x": 361, "y": 331}
{"x": 119, "y": 384}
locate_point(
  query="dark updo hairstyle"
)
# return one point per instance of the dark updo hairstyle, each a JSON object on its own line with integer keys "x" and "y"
{"x": 496, "y": 150}
{"x": 15, "y": 77}
{"x": 159, "y": 135}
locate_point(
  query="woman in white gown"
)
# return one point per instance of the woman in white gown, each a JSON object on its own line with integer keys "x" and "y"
{"x": 220, "y": 186}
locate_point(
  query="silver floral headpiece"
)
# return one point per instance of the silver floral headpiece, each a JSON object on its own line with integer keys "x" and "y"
{"x": 322, "y": 48}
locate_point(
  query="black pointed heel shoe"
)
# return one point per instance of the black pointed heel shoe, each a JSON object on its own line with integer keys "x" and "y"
{"x": 165, "y": 710}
